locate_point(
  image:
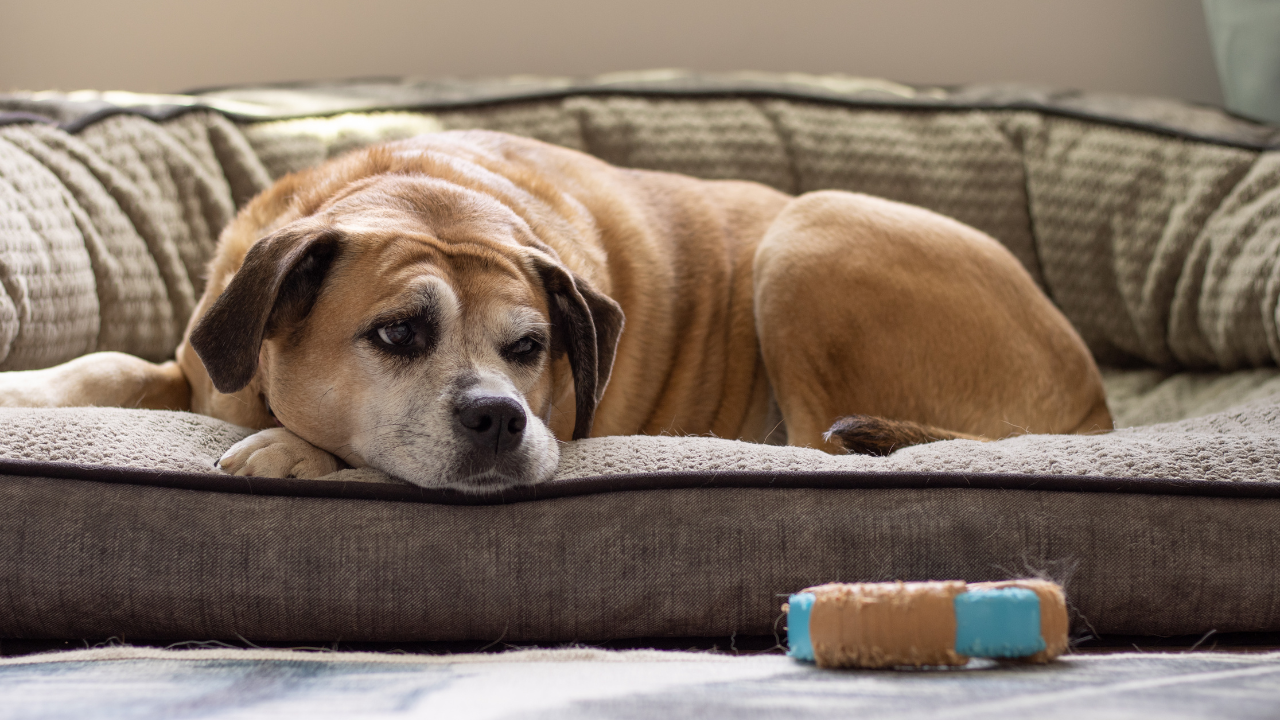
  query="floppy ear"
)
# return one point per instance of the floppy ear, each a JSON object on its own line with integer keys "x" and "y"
{"x": 588, "y": 324}
{"x": 275, "y": 286}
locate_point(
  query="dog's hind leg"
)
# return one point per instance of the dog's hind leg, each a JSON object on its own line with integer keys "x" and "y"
{"x": 870, "y": 307}
{"x": 103, "y": 379}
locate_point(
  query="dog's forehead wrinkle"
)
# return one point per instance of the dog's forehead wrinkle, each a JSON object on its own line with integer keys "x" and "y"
{"x": 472, "y": 171}
{"x": 517, "y": 323}
{"x": 497, "y": 311}
{"x": 435, "y": 205}
{"x": 378, "y": 218}
{"x": 426, "y": 295}
{"x": 525, "y": 193}
{"x": 471, "y": 272}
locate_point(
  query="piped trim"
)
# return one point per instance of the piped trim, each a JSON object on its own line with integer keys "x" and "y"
{"x": 641, "y": 482}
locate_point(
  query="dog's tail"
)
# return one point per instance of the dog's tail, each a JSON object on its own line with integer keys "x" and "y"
{"x": 869, "y": 435}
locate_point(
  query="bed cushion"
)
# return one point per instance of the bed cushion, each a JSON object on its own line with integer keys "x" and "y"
{"x": 1151, "y": 224}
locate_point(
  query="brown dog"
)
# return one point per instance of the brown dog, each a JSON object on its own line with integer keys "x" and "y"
{"x": 449, "y": 307}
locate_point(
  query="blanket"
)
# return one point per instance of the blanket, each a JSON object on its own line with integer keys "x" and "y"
{"x": 590, "y": 683}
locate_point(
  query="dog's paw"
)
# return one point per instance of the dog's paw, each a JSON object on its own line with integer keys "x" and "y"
{"x": 276, "y": 452}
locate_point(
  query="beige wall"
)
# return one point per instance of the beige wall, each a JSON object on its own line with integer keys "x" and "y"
{"x": 1143, "y": 46}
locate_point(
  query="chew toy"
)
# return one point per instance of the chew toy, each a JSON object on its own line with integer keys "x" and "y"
{"x": 876, "y": 625}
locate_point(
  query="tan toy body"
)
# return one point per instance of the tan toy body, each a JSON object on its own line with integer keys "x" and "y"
{"x": 877, "y": 625}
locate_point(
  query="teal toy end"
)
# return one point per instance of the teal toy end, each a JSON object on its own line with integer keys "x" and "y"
{"x": 998, "y": 623}
{"x": 798, "y": 643}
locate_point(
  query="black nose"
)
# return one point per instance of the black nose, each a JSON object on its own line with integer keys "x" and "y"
{"x": 493, "y": 422}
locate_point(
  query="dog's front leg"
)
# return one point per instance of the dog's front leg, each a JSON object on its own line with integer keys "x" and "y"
{"x": 277, "y": 452}
{"x": 101, "y": 379}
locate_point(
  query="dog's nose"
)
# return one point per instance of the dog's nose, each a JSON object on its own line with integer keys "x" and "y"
{"x": 493, "y": 422}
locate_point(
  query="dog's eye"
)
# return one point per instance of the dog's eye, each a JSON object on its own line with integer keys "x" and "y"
{"x": 404, "y": 336}
{"x": 524, "y": 349}
{"x": 397, "y": 334}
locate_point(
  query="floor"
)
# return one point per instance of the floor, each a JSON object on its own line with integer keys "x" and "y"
{"x": 571, "y": 683}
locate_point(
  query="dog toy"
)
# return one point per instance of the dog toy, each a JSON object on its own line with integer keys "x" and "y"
{"x": 877, "y": 625}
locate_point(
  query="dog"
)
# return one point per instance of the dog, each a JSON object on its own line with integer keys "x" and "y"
{"x": 451, "y": 307}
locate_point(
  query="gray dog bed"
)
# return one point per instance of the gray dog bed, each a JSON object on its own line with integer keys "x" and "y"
{"x": 1155, "y": 226}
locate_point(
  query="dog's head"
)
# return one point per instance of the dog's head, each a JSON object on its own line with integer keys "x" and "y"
{"x": 416, "y": 327}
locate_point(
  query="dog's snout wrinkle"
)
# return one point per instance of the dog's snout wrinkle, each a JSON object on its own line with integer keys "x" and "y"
{"x": 466, "y": 381}
{"x": 494, "y": 423}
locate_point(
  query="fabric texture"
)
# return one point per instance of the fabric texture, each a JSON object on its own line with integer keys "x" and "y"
{"x": 92, "y": 559}
{"x": 141, "y": 683}
{"x": 1238, "y": 444}
{"x": 105, "y": 233}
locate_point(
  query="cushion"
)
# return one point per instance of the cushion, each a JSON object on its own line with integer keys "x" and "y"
{"x": 1151, "y": 224}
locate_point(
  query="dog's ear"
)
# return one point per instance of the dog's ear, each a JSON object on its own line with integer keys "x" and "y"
{"x": 587, "y": 325}
{"x": 274, "y": 288}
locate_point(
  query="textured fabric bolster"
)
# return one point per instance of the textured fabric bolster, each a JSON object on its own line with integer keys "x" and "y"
{"x": 88, "y": 559}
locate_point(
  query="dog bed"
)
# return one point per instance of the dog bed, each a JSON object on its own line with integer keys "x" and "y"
{"x": 1154, "y": 225}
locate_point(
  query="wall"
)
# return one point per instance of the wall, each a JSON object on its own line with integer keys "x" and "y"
{"x": 1143, "y": 46}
